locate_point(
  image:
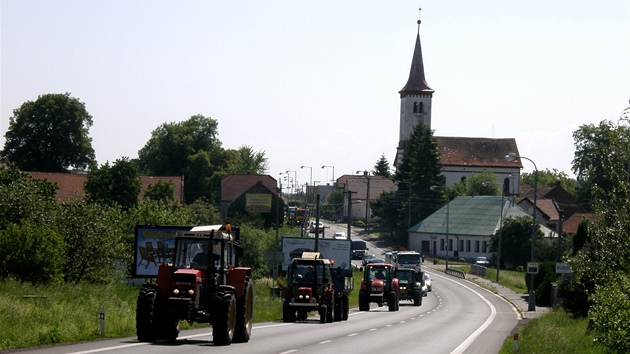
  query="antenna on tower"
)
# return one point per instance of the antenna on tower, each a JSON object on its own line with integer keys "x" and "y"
{"x": 419, "y": 12}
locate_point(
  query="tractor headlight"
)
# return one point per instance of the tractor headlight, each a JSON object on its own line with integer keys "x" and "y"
{"x": 300, "y": 297}
{"x": 176, "y": 292}
{"x": 191, "y": 292}
{"x": 307, "y": 297}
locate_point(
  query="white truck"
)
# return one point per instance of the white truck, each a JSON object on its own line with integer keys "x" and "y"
{"x": 333, "y": 249}
{"x": 408, "y": 260}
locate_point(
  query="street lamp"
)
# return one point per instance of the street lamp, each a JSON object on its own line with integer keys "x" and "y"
{"x": 295, "y": 182}
{"x": 367, "y": 201}
{"x": 333, "y": 175}
{"x": 447, "y": 222}
{"x": 485, "y": 183}
{"x": 310, "y": 181}
{"x": 532, "y": 294}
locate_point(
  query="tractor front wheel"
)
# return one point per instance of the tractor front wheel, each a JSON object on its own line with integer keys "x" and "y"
{"x": 417, "y": 298}
{"x": 364, "y": 302}
{"x": 323, "y": 312}
{"x": 223, "y": 326}
{"x": 145, "y": 314}
{"x": 345, "y": 306}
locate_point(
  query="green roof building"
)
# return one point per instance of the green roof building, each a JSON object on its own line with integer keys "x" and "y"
{"x": 469, "y": 222}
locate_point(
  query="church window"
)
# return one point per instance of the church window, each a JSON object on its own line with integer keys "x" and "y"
{"x": 415, "y": 107}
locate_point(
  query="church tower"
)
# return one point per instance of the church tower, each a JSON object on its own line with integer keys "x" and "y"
{"x": 415, "y": 100}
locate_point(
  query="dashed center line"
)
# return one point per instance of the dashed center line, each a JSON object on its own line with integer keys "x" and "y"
{"x": 325, "y": 342}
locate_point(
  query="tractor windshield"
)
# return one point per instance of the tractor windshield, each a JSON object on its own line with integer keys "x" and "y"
{"x": 378, "y": 273}
{"x": 308, "y": 273}
{"x": 405, "y": 276}
{"x": 199, "y": 254}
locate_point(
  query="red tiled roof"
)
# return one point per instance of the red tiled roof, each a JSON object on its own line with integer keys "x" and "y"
{"x": 233, "y": 185}
{"x": 477, "y": 152}
{"x": 71, "y": 184}
{"x": 571, "y": 224}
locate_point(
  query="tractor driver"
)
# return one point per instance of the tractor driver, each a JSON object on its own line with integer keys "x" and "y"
{"x": 309, "y": 277}
{"x": 380, "y": 275}
{"x": 201, "y": 258}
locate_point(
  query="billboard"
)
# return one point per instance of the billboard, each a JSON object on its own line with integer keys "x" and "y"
{"x": 337, "y": 250}
{"x": 153, "y": 245}
{"x": 258, "y": 202}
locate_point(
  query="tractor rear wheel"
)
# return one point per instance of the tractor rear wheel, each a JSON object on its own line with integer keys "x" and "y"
{"x": 145, "y": 314}
{"x": 338, "y": 309}
{"x": 223, "y": 326}
{"x": 330, "y": 311}
{"x": 244, "y": 314}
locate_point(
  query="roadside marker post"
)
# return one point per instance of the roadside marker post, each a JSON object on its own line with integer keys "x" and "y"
{"x": 515, "y": 332}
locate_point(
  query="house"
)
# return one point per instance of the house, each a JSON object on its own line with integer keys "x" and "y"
{"x": 466, "y": 224}
{"x": 71, "y": 185}
{"x": 363, "y": 189}
{"x": 251, "y": 193}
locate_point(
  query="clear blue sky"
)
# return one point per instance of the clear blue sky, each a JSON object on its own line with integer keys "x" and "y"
{"x": 316, "y": 82}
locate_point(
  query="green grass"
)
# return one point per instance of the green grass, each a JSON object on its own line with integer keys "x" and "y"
{"x": 554, "y": 332}
{"x": 45, "y": 315}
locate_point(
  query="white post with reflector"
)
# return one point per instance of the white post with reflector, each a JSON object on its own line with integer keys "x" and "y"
{"x": 515, "y": 333}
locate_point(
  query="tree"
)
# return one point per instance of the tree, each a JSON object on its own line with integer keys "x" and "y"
{"x": 549, "y": 178}
{"x": 191, "y": 148}
{"x": 483, "y": 183}
{"x": 49, "y": 135}
{"x": 25, "y": 199}
{"x": 117, "y": 184}
{"x": 602, "y": 157}
{"x": 382, "y": 168}
{"x": 516, "y": 241}
{"x": 161, "y": 192}
{"x": 419, "y": 169}
{"x": 246, "y": 161}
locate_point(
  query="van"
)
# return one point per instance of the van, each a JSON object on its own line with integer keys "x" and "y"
{"x": 359, "y": 249}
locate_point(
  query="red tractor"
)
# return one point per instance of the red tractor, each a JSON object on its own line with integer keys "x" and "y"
{"x": 204, "y": 284}
{"x": 313, "y": 285}
{"x": 379, "y": 285}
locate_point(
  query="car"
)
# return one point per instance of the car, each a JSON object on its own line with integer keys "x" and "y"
{"x": 339, "y": 236}
{"x": 424, "y": 290}
{"x": 482, "y": 261}
{"x": 377, "y": 260}
{"x": 427, "y": 282}
{"x": 314, "y": 227}
{"x": 368, "y": 258}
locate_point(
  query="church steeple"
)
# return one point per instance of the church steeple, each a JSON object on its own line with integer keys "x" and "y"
{"x": 417, "y": 83}
{"x": 415, "y": 100}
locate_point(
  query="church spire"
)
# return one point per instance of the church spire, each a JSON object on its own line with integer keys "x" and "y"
{"x": 416, "y": 84}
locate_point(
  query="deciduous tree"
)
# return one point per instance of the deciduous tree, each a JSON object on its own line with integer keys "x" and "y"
{"x": 49, "y": 134}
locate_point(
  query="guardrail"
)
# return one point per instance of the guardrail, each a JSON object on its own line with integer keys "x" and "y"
{"x": 456, "y": 272}
{"x": 478, "y": 270}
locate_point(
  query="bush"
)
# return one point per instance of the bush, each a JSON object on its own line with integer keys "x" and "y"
{"x": 30, "y": 253}
{"x": 611, "y": 314}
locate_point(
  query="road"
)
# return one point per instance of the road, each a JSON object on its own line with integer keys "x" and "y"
{"x": 456, "y": 317}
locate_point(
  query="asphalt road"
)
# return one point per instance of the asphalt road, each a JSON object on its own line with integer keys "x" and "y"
{"x": 456, "y": 317}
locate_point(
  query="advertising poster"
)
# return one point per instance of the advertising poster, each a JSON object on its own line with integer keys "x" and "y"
{"x": 154, "y": 245}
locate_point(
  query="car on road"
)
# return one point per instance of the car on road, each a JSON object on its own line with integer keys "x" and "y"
{"x": 482, "y": 261}
{"x": 427, "y": 282}
{"x": 368, "y": 258}
{"x": 359, "y": 249}
{"x": 314, "y": 225}
{"x": 339, "y": 236}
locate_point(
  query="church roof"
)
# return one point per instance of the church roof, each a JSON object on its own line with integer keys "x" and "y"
{"x": 476, "y": 152}
{"x": 416, "y": 84}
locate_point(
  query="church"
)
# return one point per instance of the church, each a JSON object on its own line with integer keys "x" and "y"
{"x": 460, "y": 156}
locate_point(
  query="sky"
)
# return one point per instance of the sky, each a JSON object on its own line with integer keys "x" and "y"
{"x": 315, "y": 83}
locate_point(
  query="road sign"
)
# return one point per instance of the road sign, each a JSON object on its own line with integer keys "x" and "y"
{"x": 532, "y": 267}
{"x": 563, "y": 268}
